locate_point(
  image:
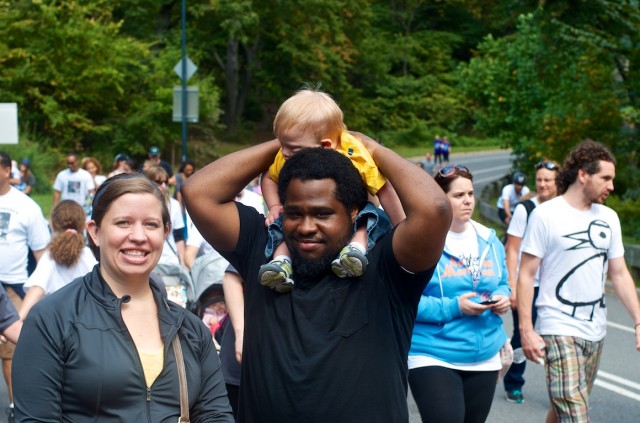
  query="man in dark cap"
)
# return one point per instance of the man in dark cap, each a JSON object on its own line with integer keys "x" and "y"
{"x": 154, "y": 156}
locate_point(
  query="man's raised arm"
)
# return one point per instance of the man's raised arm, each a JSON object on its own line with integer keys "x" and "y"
{"x": 419, "y": 239}
{"x": 209, "y": 193}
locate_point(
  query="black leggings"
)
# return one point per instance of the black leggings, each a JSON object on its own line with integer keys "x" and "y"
{"x": 452, "y": 396}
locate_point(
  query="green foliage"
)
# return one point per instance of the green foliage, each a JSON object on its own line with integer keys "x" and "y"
{"x": 548, "y": 86}
{"x": 627, "y": 210}
{"x": 83, "y": 85}
{"x": 46, "y": 162}
{"x": 97, "y": 75}
{"x": 65, "y": 70}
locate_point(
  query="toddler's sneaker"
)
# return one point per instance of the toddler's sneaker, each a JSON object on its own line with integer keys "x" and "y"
{"x": 285, "y": 286}
{"x": 351, "y": 262}
{"x": 277, "y": 275}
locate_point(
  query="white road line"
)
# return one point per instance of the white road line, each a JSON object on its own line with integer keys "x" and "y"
{"x": 621, "y": 327}
{"x": 618, "y": 390}
{"x": 619, "y": 380}
{"x": 495, "y": 170}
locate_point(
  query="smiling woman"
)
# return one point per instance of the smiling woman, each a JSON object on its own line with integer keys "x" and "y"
{"x": 102, "y": 342}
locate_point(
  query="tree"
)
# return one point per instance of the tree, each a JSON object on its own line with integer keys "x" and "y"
{"x": 552, "y": 83}
{"x": 84, "y": 84}
{"x": 68, "y": 70}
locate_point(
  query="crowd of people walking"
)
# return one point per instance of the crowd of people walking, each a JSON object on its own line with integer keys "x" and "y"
{"x": 162, "y": 295}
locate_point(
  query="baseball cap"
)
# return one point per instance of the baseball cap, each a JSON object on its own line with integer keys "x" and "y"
{"x": 26, "y": 162}
{"x": 121, "y": 157}
{"x": 154, "y": 151}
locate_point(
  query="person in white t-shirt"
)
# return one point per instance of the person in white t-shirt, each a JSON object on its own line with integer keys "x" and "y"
{"x": 575, "y": 241}
{"x": 74, "y": 184}
{"x": 66, "y": 258}
{"x": 546, "y": 174}
{"x": 174, "y": 245}
{"x": 22, "y": 227}
{"x": 510, "y": 196}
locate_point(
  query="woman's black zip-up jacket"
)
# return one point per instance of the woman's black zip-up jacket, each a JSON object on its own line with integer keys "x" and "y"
{"x": 76, "y": 362}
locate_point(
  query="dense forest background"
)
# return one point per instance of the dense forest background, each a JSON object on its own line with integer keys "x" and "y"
{"x": 536, "y": 76}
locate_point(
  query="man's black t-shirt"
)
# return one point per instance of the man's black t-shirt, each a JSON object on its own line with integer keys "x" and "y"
{"x": 333, "y": 350}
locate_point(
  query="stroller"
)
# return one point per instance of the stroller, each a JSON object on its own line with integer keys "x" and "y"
{"x": 207, "y": 273}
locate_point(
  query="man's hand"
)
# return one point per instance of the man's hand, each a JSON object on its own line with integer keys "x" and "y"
{"x": 532, "y": 345}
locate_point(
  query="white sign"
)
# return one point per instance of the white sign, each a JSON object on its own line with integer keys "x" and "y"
{"x": 193, "y": 104}
{"x": 191, "y": 69}
{"x": 8, "y": 123}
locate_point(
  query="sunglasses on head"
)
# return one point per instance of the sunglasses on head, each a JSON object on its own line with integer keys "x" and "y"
{"x": 546, "y": 165}
{"x": 449, "y": 170}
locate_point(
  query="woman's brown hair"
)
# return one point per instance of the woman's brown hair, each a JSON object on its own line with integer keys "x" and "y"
{"x": 117, "y": 186}
{"x": 68, "y": 221}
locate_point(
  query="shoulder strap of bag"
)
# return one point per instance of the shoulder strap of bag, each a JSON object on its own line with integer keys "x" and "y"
{"x": 182, "y": 379}
{"x": 528, "y": 206}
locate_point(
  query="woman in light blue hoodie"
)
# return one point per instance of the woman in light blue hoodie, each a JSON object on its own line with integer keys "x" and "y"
{"x": 455, "y": 350}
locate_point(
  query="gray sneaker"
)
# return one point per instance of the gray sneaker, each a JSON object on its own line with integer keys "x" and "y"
{"x": 350, "y": 263}
{"x": 277, "y": 275}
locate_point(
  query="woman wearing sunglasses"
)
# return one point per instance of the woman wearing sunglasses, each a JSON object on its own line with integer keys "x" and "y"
{"x": 455, "y": 349}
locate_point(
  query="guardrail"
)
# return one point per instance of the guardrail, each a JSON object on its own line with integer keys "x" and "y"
{"x": 490, "y": 212}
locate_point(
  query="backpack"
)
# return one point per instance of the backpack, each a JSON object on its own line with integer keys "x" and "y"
{"x": 529, "y": 205}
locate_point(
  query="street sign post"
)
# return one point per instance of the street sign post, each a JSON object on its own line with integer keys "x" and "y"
{"x": 187, "y": 69}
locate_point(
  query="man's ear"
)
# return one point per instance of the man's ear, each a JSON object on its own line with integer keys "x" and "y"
{"x": 582, "y": 175}
{"x": 354, "y": 213}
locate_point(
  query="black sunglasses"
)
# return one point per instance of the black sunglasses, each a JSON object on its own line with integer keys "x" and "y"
{"x": 546, "y": 165}
{"x": 449, "y": 170}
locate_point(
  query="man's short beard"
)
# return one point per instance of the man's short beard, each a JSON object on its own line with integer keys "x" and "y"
{"x": 314, "y": 267}
{"x": 310, "y": 268}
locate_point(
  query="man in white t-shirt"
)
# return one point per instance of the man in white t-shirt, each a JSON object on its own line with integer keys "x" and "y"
{"x": 546, "y": 174}
{"x": 575, "y": 241}
{"x": 510, "y": 196}
{"x": 22, "y": 226}
{"x": 74, "y": 183}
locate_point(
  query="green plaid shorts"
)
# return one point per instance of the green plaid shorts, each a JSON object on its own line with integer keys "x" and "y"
{"x": 571, "y": 366}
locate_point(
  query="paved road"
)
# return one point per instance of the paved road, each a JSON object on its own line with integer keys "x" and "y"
{"x": 485, "y": 167}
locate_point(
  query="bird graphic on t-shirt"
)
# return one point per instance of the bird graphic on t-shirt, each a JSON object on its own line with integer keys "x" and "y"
{"x": 598, "y": 238}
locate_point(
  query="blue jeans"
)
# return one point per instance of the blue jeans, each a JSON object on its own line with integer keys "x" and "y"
{"x": 514, "y": 379}
{"x": 376, "y": 220}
